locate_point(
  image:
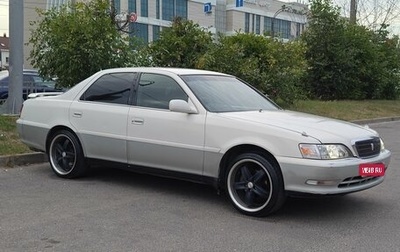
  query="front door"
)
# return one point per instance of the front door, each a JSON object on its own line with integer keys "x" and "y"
{"x": 160, "y": 138}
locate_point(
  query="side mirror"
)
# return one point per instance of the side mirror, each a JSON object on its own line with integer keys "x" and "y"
{"x": 181, "y": 106}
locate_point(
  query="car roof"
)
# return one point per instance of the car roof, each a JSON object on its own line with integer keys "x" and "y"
{"x": 177, "y": 71}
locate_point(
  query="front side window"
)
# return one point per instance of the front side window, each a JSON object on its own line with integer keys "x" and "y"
{"x": 110, "y": 88}
{"x": 156, "y": 91}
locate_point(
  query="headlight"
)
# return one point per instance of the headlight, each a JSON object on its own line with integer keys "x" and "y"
{"x": 324, "y": 151}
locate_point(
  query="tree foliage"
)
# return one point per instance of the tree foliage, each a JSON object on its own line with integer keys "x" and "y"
{"x": 348, "y": 61}
{"x": 77, "y": 40}
{"x": 180, "y": 45}
{"x": 273, "y": 67}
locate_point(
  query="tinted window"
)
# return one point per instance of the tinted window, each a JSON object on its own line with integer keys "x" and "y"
{"x": 156, "y": 91}
{"x": 110, "y": 88}
{"x": 4, "y": 81}
{"x": 28, "y": 80}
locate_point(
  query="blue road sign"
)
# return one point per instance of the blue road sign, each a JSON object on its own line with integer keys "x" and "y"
{"x": 207, "y": 7}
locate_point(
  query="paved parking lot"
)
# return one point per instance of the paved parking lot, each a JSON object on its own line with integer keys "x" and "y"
{"x": 114, "y": 210}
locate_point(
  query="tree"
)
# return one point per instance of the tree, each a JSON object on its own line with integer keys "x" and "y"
{"x": 348, "y": 61}
{"x": 77, "y": 40}
{"x": 180, "y": 45}
{"x": 273, "y": 67}
{"x": 373, "y": 13}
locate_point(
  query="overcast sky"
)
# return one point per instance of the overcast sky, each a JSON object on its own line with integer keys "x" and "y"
{"x": 4, "y": 15}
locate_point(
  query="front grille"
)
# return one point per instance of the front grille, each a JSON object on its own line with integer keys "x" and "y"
{"x": 368, "y": 148}
{"x": 355, "y": 181}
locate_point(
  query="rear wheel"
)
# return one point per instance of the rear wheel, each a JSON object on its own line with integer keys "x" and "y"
{"x": 254, "y": 185}
{"x": 66, "y": 155}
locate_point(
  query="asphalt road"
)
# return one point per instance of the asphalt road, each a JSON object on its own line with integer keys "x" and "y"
{"x": 114, "y": 210}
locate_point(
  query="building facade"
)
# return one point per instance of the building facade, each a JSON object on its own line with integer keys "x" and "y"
{"x": 280, "y": 19}
{"x": 4, "y": 52}
{"x": 271, "y": 17}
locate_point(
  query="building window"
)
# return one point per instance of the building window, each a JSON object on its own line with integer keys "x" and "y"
{"x": 298, "y": 27}
{"x": 144, "y": 8}
{"x": 181, "y": 8}
{"x": 267, "y": 25}
{"x": 158, "y": 9}
{"x": 258, "y": 20}
{"x": 140, "y": 31}
{"x": 285, "y": 29}
{"x": 132, "y": 6}
{"x": 281, "y": 28}
{"x": 252, "y": 22}
{"x": 156, "y": 32}
{"x": 173, "y": 8}
{"x": 167, "y": 10}
{"x": 117, "y": 6}
{"x": 247, "y": 23}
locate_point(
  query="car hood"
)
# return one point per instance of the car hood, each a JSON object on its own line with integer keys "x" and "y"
{"x": 325, "y": 130}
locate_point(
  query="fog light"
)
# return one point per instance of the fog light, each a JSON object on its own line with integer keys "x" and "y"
{"x": 321, "y": 182}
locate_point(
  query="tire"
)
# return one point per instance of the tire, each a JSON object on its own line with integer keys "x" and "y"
{"x": 66, "y": 155}
{"x": 255, "y": 186}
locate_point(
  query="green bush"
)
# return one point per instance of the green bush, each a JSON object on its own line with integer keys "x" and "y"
{"x": 273, "y": 67}
{"x": 348, "y": 61}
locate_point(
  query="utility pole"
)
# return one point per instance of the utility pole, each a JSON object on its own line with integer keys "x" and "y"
{"x": 16, "y": 18}
{"x": 353, "y": 11}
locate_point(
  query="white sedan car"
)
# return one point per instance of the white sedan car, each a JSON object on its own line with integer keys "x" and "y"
{"x": 206, "y": 127}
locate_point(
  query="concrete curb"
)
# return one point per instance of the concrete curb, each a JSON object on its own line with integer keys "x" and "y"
{"x": 23, "y": 159}
{"x": 39, "y": 157}
{"x": 377, "y": 120}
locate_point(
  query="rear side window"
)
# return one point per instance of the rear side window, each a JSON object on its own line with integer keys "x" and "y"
{"x": 111, "y": 88}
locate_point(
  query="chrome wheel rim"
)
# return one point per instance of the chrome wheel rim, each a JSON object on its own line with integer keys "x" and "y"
{"x": 249, "y": 185}
{"x": 62, "y": 154}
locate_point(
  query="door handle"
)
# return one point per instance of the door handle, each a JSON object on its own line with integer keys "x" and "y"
{"x": 77, "y": 114}
{"x": 138, "y": 121}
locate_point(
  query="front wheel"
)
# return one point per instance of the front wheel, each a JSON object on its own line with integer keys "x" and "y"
{"x": 254, "y": 185}
{"x": 66, "y": 155}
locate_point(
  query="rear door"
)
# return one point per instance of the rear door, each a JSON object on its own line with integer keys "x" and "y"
{"x": 100, "y": 116}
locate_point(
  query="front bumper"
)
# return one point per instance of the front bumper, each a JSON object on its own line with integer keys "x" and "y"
{"x": 334, "y": 176}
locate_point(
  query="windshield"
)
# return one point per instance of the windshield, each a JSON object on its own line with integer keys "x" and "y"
{"x": 226, "y": 94}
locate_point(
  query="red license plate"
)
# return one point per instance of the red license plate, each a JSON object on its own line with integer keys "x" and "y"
{"x": 373, "y": 170}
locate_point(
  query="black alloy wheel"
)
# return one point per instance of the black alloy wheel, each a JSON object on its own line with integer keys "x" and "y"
{"x": 255, "y": 186}
{"x": 66, "y": 155}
